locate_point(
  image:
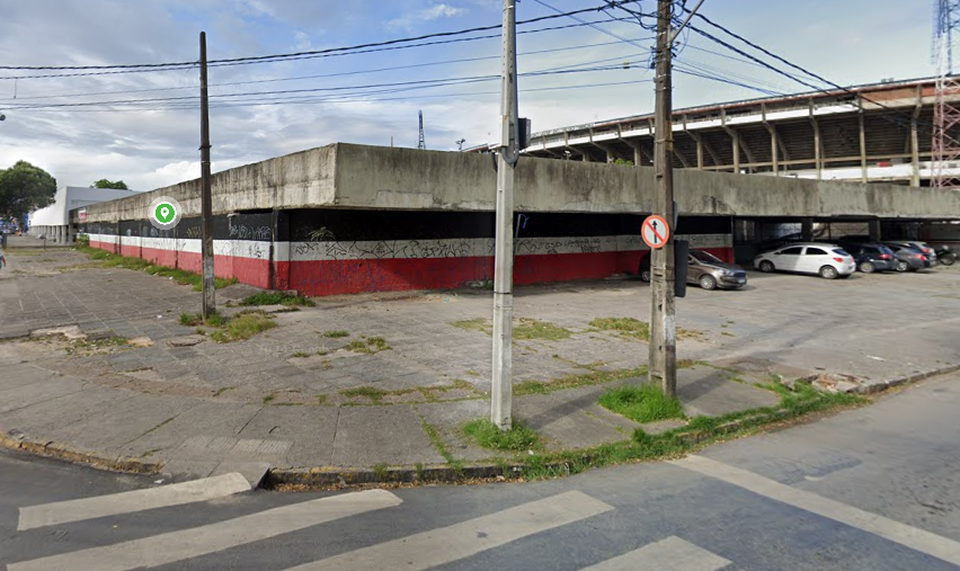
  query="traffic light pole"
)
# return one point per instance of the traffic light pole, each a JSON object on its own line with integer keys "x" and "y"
{"x": 663, "y": 320}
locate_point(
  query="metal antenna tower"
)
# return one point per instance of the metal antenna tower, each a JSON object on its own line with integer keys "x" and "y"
{"x": 946, "y": 115}
{"x": 421, "y": 144}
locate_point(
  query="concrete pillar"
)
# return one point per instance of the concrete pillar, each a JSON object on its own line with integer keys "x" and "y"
{"x": 806, "y": 229}
{"x": 875, "y": 230}
{"x": 637, "y": 155}
{"x": 914, "y": 151}
{"x": 863, "y": 151}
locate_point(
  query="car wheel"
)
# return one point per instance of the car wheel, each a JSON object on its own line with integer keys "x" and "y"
{"x": 867, "y": 267}
{"x": 766, "y": 266}
{"x": 902, "y": 266}
{"x": 645, "y": 276}
{"x": 829, "y": 272}
{"x": 708, "y": 282}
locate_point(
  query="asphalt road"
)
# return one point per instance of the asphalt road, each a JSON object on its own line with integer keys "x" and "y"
{"x": 876, "y": 488}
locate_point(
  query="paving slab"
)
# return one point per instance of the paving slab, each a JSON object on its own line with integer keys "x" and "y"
{"x": 572, "y": 419}
{"x": 707, "y": 391}
{"x": 382, "y": 434}
{"x": 312, "y": 429}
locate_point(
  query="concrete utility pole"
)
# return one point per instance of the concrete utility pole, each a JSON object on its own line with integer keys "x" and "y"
{"x": 507, "y": 155}
{"x": 663, "y": 318}
{"x": 206, "y": 201}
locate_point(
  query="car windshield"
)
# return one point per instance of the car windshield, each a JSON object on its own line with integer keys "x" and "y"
{"x": 840, "y": 252}
{"x": 706, "y": 257}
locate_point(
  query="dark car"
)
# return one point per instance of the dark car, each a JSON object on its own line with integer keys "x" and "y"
{"x": 706, "y": 270}
{"x": 908, "y": 258}
{"x": 923, "y": 247}
{"x": 871, "y": 256}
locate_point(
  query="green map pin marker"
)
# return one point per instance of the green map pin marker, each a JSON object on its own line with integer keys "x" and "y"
{"x": 165, "y": 213}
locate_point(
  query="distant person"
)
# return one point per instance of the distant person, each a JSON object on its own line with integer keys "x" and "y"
{"x": 3, "y": 261}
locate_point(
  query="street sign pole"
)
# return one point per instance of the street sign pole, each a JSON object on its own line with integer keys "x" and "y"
{"x": 663, "y": 323}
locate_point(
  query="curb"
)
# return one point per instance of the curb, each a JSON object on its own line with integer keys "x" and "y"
{"x": 881, "y": 386}
{"x": 16, "y": 440}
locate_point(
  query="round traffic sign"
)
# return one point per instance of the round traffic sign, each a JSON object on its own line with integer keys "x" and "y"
{"x": 655, "y": 231}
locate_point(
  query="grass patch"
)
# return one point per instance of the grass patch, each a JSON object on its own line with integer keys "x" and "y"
{"x": 699, "y": 432}
{"x": 594, "y": 377}
{"x": 479, "y": 324}
{"x": 335, "y": 334}
{"x": 641, "y": 403}
{"x": 623, "y": 326}
{"x": 240, "y": 327}
{"x": 109, "y": 260}
{"x": 526, "y": 329}
{"x": 269, "y": 398}
{"x": 300, "y": 355}
{"x": 520, "y": 437}
{"x": 277, "y": 298}
{"x": 374, "y": 394}
{"x": 222, "y": 390}
{"x": 368, "y": 345}
{"x": 321, "y": 400}
{"x": 99, "y": 345}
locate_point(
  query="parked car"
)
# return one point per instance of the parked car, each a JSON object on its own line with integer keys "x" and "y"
{"x": 826, "y": 260}
{"x": 706, "y": 270}
{"x": 923, "y": 247}
{"x": 871, "y": 257}
{"x": 908, "y": 258}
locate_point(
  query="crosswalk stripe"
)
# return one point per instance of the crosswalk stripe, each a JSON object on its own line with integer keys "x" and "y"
{"x": 448, "y": 544}
{"x": 188, "y": 543}
{"x": 912, "y": 537}
{"x": 670, "y": 554}
{"x": 127, "y": 502}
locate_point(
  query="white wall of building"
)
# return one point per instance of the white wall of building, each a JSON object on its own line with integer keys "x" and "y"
{"x": 54, "y": 220}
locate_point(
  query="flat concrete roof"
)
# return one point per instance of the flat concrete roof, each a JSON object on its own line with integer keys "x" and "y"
{"x": 367, "y": 177}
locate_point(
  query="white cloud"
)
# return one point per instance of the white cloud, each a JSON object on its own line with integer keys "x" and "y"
{"x": 430, "y": 14}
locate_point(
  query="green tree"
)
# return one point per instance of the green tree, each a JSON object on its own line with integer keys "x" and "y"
{"x": 104, "y": 183}
{"x": 24, "y": 188}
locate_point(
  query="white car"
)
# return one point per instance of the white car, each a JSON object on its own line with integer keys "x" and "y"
{"x": 827, "y": 260}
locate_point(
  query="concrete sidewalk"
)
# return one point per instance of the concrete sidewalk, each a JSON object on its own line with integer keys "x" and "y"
{"x": 367, "y": 380}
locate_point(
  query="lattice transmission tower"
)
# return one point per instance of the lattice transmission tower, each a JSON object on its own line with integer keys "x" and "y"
{"x": 422, "y": 143}
{"x": 946, "y": 114}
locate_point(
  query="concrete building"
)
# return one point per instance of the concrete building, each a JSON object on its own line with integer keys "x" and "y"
{"x": 349, "y": 218}
{"x": 54, "y": 221}
{"x": 871, "y": 133}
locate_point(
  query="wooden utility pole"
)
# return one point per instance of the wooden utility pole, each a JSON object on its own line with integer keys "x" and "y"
{"x": 663, "y": 320}
{"x": 206, "y": 201}
{"x": 507, "y": 155}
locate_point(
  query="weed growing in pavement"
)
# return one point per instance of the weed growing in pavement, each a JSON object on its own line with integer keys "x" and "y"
{"x": 594, "y": 377}
{"x": 222, "y": 390}
{"x": 269, "y": 398}
{"x": 624, "y": 326}
{"x": 335, "y": 334}
{"x": 321, "y": 399}
{"x": 374, "y": 394}
{"x": 380, "y": 471}
{"x": 277, "y": 298}
{"x": 300, "y": 355}
{"x": 239, "y": 327}
{"x": 109, "y": 260}
{"x": 520, "y": 437}
{"x": 434, "y": 437}
{"x": 479, "y": 324}
{"x": 84, "y": 347}
{"x": 528, "y": 329}
{"x": 641, "y": 403}
{"x": 368, "y": 345}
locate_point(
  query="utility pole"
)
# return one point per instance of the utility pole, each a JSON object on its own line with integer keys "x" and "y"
{"x": 206, "y": 201}
{"x": 663, "y": 318}
{"x": 507, "y": 155}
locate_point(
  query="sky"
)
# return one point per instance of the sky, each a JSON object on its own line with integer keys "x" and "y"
{"x": 142, "y": 126}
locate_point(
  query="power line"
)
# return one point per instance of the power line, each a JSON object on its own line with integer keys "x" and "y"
{"x": 295, "y": 55}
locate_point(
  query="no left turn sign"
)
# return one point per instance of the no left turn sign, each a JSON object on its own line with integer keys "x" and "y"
{"x": 655, "y": 232}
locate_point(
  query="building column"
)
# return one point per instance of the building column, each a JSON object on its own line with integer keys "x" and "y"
{"x": 875, "y": 230}
{"x": 915, "y": 148}
{"x": 806, "y": 229}
{"x": 735, "y": 137}
{"x": 863, "y": 151}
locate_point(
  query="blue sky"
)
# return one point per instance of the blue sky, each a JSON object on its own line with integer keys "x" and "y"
{"x": 143, "y": 127}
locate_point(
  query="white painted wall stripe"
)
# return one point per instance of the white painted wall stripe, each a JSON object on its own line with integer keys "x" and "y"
{"x": 189, "y": 543}
{"x": 670, "y": 554}
{"x": 908, "y": 536}
{"x": 127, "y": 502}
{"x": 447, "y": 544}
{"x": 408, "y": 249}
